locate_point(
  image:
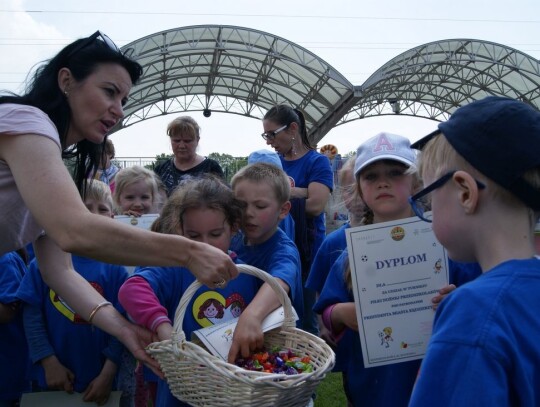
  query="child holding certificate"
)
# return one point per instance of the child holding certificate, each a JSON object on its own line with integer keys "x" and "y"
{"x": 482, "y": 169}
{"x": 332, "y": 246}
{"x": 386, "y": 176}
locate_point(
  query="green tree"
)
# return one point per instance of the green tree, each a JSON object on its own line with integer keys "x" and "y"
{"x": 159, "y": 159}
{"x": 228, "y": 163}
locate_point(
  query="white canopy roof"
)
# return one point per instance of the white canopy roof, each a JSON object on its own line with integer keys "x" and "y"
{"x": 244, "y": 71}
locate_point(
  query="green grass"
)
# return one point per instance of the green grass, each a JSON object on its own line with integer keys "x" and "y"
{"x": 330, "y": 392}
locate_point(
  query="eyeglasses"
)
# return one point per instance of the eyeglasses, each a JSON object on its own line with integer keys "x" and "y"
{"x": 272, "y": 134}
{"x": 98, "y": 35}
{"x": 420, "y": 201}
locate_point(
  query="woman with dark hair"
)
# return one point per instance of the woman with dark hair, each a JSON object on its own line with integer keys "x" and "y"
{"x": 312, "y": 182}
{"x": 71, "y": 104}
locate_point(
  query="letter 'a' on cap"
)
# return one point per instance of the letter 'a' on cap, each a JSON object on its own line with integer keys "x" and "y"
{"x": 265, "y": 156}
{"x": 500, "y": 137}
{"x": 384, "y": 146}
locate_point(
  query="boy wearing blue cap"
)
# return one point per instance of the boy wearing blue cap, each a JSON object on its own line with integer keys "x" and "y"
{"x": 482, "y": 168}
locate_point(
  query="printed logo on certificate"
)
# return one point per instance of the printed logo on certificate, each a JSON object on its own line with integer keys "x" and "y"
{"x": 396, "y": 268}
{"x": 144, "y": 221}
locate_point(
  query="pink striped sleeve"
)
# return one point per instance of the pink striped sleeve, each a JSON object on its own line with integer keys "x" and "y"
{"x": 142, "y": 305}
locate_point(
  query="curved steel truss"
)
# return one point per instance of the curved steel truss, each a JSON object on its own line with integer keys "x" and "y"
{"x": 233, "y": 70}
{"x": 434, "y": 79}
{"x": 243, "y": 71}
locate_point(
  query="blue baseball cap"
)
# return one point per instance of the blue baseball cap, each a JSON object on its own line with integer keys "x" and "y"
{"x": 384, "y": 146}
{"x": 265, "y": 156}
{"x": 500, "y": 137}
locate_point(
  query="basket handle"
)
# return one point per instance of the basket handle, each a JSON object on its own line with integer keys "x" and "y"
{"x": 288, "y": 322}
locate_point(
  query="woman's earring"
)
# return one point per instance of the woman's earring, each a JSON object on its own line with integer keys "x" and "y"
{"x": 293, "y": 147}
{"x": 66, "y": 93}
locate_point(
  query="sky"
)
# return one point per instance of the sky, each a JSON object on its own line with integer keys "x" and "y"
{"x": 355, "y": 37}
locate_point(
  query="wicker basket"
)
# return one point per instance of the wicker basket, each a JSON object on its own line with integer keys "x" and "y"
{"x": 201, "y": 379}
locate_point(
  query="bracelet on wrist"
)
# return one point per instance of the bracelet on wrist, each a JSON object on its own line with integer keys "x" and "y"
{"x": 96, "y": 309}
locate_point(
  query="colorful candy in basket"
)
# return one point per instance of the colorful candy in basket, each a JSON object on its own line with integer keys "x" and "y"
{"x": 276, "y": 361}
{"x": 202, "y": 379}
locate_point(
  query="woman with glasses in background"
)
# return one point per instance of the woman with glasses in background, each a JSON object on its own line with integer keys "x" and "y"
{"x": 312, "y": 181}
{"x": 69, "y": 107}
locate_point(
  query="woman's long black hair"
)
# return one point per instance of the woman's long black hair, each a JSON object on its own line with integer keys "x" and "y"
{"x": 44, "y": 93}
{"x": 285, "y": 115}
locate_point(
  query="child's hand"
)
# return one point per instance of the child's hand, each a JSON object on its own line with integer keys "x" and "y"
{"x": 99, "y": 389}
{"x": 325, "y": 334}
{"x": 57, "y": 376}
{"x": 345, "y": 314}
{"x": 164, "y": 331}
{"x": 9, "y": 311}
{"x": 247, "y": 338}
{"x": 443, "y": 292}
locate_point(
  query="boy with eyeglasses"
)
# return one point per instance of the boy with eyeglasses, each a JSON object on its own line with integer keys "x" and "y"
{"x": 485, "y": 165}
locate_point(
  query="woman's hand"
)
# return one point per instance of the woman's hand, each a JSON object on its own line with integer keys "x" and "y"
{"x": 210, "y": 265}
{"x": 135, "y": 338}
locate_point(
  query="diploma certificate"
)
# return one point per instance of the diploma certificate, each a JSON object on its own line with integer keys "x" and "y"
{"x": 396, "y": 268}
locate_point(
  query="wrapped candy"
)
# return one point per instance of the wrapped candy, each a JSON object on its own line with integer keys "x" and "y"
{"x": 276, "y": 361}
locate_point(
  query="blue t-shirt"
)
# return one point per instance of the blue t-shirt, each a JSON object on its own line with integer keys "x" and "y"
{"x": 380, "y": 386}
{"x": 78, "y": 345}
{"x": 330, "y": 249}
{"x": 206, "y": 308}
{"x": 461, "y": 273}
{"x": 14, "y": 363}
{"x": 312, "y": 167}
{"x": 484, "y": 350}
{"x": 287, "y": 224}
{"x": 278, "y": 256}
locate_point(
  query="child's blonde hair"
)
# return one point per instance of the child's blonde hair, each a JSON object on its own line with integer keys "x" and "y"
{"x": 205, "y": 191}
{"x": 130, "y": 175}
{"x": 161, "y": 195}
{"x": 270, "y": 174}
{"x": 98, "y": 191}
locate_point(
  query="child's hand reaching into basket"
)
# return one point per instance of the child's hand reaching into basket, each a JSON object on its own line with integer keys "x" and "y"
{"x": 248, "y": 336}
